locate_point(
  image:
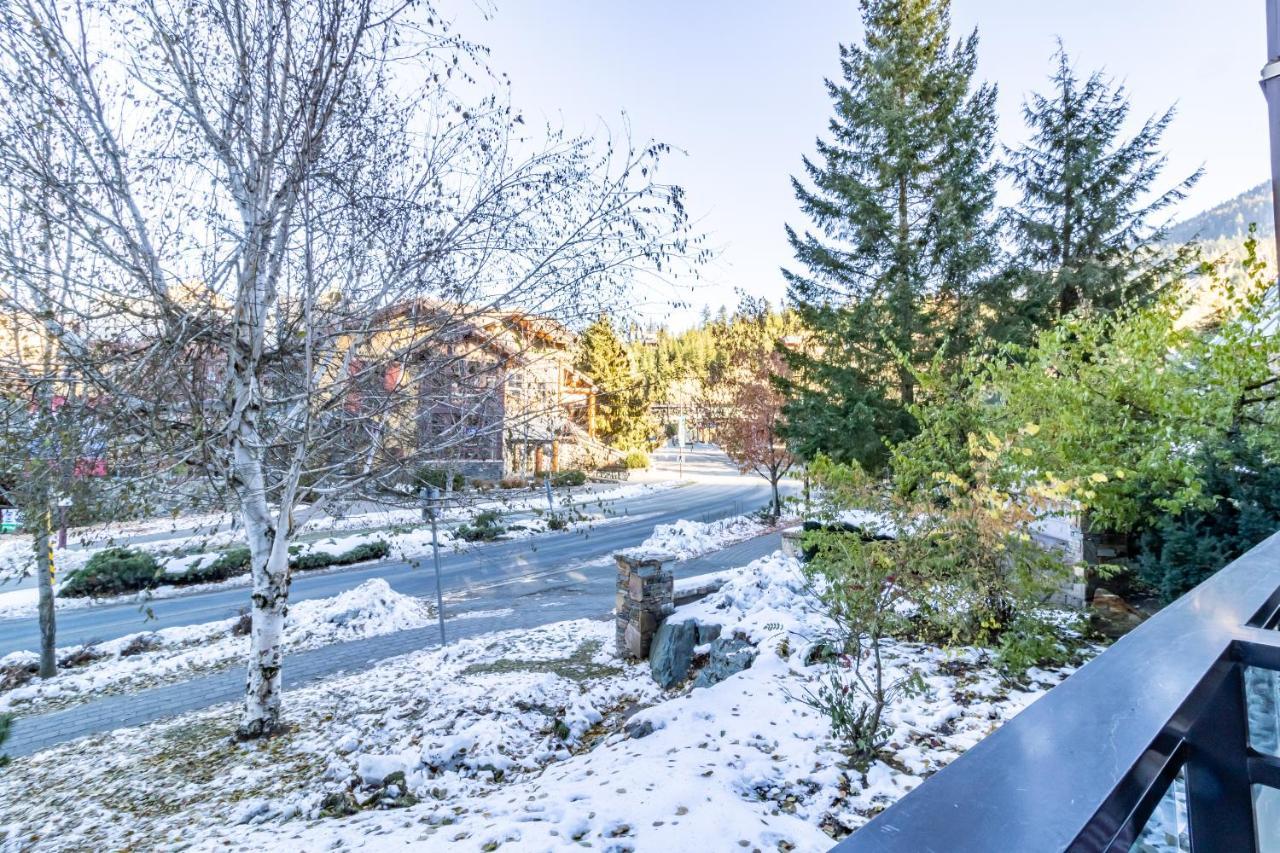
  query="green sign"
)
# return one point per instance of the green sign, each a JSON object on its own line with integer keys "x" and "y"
{"x": 10, "y": 520}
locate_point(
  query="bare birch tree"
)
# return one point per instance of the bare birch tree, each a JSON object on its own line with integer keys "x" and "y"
{"x": 296, "y": 215}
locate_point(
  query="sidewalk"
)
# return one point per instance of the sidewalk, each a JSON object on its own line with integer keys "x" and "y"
{"x": 569, "y": 599}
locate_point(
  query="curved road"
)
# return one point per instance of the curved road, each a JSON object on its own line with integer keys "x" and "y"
{"x": 486, "y": 576}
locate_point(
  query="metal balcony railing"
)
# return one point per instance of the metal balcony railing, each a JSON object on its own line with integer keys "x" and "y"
{"x": 1167, "y": 741}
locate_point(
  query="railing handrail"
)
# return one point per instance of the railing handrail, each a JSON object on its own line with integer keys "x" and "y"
{"x": 1040, "y": 780}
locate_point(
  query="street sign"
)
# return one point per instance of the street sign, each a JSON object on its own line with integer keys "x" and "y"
{"x": 10, "y": 520}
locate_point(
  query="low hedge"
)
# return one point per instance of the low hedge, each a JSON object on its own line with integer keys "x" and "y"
{"x": 569, "y": 478}
{"x": 375, "y": 550}
{"x": 113, "y": 571}
{"x": 121, "y": 570}
{"x": 229, "y": 564}
{"x": 438, "y": 477}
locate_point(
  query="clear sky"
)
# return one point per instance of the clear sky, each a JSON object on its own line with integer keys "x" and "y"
{"x": 737, "y": 85}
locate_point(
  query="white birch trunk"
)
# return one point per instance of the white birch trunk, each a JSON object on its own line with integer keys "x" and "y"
{"x": 269, "y": 553}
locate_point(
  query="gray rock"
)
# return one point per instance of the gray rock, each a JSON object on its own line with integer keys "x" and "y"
{"x": 729, "y": 655}
{"x": 338, "y": 804}
{"x": 638, "y": 728}
{"x": 707, "y": 633}
{"x": 671, "y": 653}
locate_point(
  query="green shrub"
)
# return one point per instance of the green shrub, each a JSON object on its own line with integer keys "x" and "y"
{"x": 122, "y": 570}
{"x": 485, "y": 527}
{"x": 569, "y": 478}
{"x": 636, "y": 459}
{"x": 376, "y": 550}
{"x": 555, "y": 521}
{"x": 228, "y": 564}
{"x": 958, "y": 570}
{"x": 1029, "y": 642}
{"x": 855, "y": 584}
{"x": 113, "y": 571}
{"x": 855, "y": 716}
{"x": 438, "y": 477}
{"x": 312, "y": 560}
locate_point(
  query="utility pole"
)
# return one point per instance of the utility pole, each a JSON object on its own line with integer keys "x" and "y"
{"x": 1271, "y": 89}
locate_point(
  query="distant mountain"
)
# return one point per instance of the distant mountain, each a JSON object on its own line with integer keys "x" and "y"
{"x": 1229, "y": 220}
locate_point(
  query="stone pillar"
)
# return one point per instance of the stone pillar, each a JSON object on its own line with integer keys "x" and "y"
{"x": 645, "y": 596}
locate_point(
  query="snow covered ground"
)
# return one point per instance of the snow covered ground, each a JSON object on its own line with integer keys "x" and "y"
{"x": 525, "y": 741}
{"x": 686, "y": 539}
{"x": 150, "y": 658}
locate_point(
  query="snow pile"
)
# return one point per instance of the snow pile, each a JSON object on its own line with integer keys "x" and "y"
{"x": 686, "y": 539}
{"x": 368, "y": 610}
{"x": 149, "y": 658}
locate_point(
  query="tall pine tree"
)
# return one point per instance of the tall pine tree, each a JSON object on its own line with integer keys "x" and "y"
{"x": 1083, "y": 231}
{"x": 901, "y": 198}
{"x": 622, "y": 411}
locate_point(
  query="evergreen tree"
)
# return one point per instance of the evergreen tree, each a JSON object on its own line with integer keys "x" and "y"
{"x": 622, "y": 410}
{"x": 1083, "y": 230}
{"x": 900, "y": 199}
{"x": 1181, "y": 550}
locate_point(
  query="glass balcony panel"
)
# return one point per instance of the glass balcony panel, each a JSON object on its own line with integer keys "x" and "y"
{"x": 1266, "y": 818}
{"x": 1166, "y": 830}
{"x": 1262, "y": 704}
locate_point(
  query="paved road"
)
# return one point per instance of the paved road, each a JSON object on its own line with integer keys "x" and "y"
{"x": 537, "y": 581}
{"x": 176, "y": 531}
{"x": 555, "y": 598}
{"x": 481, "y": 573}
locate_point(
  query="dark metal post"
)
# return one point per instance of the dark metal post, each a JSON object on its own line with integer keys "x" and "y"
{"x": 551, "y": 504}
{"x": 433, "y": 506}
{"x": 1271, "y": 89}
{"x": 1220, "y": 802}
